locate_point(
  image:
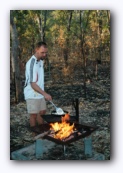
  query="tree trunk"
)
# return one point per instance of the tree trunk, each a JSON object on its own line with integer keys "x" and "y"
{"x": 99, "y": 20}
{"x": 98, "y": 51}
{"x": 82, "y": 30}
{"x": 42, "y": 24}
{"x": 65, "y": 51}
{"x": 41, "y": 29}
{"x": 82, "y": 51}
{"x": 14, "y": 59}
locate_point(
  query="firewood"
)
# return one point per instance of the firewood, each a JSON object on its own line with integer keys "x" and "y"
{"x": 41, "y": 135}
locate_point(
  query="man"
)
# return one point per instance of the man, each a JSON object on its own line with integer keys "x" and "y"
{"x": 34, "y": 85}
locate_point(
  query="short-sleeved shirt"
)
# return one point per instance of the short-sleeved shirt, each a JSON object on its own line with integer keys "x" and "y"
{"x": 34, "y": 73}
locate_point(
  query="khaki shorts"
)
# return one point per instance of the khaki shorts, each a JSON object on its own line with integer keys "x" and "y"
{"x": 35, "y": 105}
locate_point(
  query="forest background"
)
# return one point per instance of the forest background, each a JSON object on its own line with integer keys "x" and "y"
{"x": 76, "y": 39}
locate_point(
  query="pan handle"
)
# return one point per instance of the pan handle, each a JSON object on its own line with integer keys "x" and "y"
{"x": 53, "y": 104}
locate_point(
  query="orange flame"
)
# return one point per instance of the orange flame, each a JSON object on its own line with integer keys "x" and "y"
{"x": 65, "y": 118}
{"x": 64, "y": 129}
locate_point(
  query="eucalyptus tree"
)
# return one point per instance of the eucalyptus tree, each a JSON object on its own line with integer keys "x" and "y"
{"x": 14, "y": 57}
{"x": 84, "y": 19}
{"x": 42, "y": 19}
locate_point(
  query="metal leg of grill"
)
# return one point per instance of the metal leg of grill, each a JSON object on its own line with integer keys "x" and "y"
{"x": 39, "y": 148}
{"x": 64, "y": 148}
{"x": 88, "y": 146}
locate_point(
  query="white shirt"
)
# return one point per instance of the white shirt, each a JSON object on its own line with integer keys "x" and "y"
{"x": 34, "y": 73}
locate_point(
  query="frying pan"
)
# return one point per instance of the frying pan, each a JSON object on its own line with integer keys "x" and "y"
{"x": 59, "y": 111}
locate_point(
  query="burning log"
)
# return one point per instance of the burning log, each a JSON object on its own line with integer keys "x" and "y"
{"x": 72, "y": 135}
{"x": 68, "y": 138}
{"x": 41, "y": 135}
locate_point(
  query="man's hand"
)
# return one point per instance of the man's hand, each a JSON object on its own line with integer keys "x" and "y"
{"x": 47, "y": 97}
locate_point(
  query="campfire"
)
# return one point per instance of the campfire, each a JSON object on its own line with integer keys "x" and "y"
{"x": 62, "y": 130}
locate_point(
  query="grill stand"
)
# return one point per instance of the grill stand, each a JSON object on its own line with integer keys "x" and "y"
{"x": 64, "y": 147}
{"x": 88, "y": 147}
{"x": 39, "y": 148}
{"x": 75, "y": 103}
{"x": 42, "y": 146}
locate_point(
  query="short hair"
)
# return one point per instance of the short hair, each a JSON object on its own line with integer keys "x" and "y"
{"x": 41, "y": 43}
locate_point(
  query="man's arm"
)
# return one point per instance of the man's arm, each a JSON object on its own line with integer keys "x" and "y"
{"x": 39, "y": 90}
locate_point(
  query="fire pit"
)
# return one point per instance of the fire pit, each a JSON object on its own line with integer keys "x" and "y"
{"x": 77, "y": 132}
{"x": 81, "y": 131}
{"x": 63, "y": 131}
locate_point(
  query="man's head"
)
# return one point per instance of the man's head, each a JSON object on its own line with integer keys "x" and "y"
{"x": 41, "y": 50}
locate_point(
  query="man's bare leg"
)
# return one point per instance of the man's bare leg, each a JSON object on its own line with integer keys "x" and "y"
{"x": 33, "y": 120}
{"x": 39, "y": 117}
